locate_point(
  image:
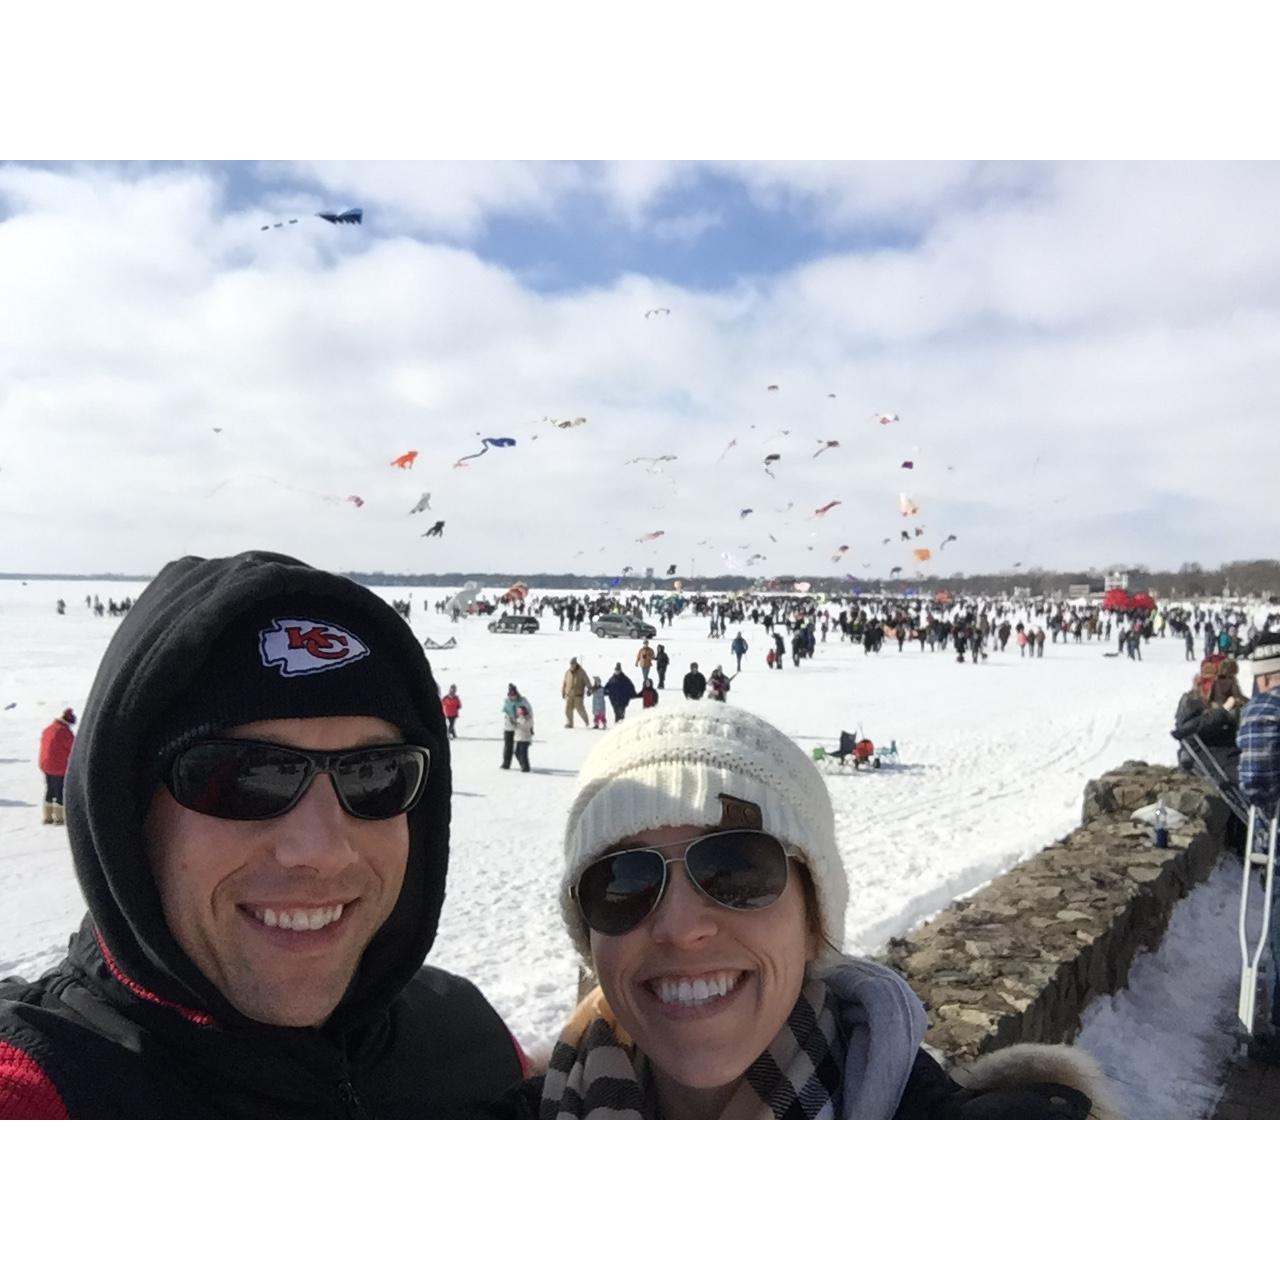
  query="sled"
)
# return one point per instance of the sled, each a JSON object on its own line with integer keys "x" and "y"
{"x": 863, "y": 751}
{"x": 1260, "y": 851}
{"x": 429, "y": 643}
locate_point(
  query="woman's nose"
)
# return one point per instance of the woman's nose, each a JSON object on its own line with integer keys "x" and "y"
{"x": 685, "y": 916}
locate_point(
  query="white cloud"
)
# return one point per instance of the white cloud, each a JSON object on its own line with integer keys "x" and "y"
{"x": 1095, "y": 356}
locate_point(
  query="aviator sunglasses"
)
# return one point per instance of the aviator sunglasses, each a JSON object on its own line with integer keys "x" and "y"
{"x": 246, "y": 781}
{"x": 741, "y": 870}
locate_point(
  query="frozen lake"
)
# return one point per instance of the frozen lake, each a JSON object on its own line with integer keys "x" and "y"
{"x": 995, "y": 759}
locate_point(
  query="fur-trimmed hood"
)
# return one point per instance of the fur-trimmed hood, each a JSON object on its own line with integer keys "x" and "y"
{"x": 1021, "y": 1065}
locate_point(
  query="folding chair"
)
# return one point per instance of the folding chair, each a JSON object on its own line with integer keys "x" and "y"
{"x": 1217, "y": 777}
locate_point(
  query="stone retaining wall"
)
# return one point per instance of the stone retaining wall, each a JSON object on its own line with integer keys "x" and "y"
{"x": 1021, "y": 958}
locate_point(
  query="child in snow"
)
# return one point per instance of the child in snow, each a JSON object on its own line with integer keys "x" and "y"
{"x": 598, "y": 719}
{"x": 451, "y": 704}
{"x": 648, "y": 695}
{"x": 524, "y": 736}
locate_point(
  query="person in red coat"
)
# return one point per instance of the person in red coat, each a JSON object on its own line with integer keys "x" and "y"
{"x": 451, "y": 704}
{"x": 55, "y": 750}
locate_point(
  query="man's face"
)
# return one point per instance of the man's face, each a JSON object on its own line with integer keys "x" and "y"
{"x": 222, "y": 881}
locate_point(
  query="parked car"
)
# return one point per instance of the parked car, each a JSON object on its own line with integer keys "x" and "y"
{"x": 521, "y": 623}
{"x": 622, "y": 624}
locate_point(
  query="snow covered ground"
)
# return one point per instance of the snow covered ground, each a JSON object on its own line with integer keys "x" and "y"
{"x": 994, "y": 762}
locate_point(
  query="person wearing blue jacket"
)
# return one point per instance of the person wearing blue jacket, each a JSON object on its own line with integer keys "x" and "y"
{"x": 619, "y": 690}
{"x": 738, "y": 648}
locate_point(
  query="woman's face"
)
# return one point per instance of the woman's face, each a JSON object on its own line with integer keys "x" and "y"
{"x": 663, "y": 979}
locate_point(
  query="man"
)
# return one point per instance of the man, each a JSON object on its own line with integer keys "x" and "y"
{"x": 573, "y": 689}
{"x": 662, "y": 660}
{"x": 644, "y": 660}
{"x": 738, "y": 648}
{"x": 258, "y": 813}
{"x": 695, "y": 683}
{"x": 55, "y": 750}
{"x": 1259, "y": 742}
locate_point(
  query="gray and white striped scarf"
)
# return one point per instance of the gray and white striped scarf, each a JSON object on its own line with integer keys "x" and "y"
{"x": 844, "y": 1052}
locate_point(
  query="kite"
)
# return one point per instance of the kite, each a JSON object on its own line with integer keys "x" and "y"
{"x": 217, "y": 431}
{"x": 922, "y": 553}
{"x": 1017, "y": 564}
{"x": 658, "y": 311}
{"x": 893, "y": 571}
{"x": 905, "y": 536}
{"x": 839, "y": 553}
{"x": 908, "y": 465}
{"x": 756, "y": 557}
{"x": 727, "y": 447}
{"x": 822, "y": 511}
{"x": 355, "y": 499}
{"x": 770, "y": 459}
{"x": 436, "y": 530}
{"x": 423, "y": 504}
{"x": 831, "y": 395}
{"x": 884, "y": 542}
{"x": 353, "y": 217}
{"x": 907, "y": 505}
{"x": 745, "y": 512}
{"x": 626, "y": 568}
{"x": 406, "y": 460}
{"x": 772, "y": 538}
{"x": 670, "y": 570}
{"x": 773, "y": 386}
{"x": 824, "y": 445}
{"x": 565, "y": 423}
{"x": 649, "y": 537}
{"x": 498, "y": 442}
{"x": 919, "y": 531}
{"x": 885, "y": 419}
{"x": 951, "y": 537}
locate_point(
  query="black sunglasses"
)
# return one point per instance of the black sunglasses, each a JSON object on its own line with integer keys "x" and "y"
{"x": 741, "y": 870}
{"x": 244, "y": 781}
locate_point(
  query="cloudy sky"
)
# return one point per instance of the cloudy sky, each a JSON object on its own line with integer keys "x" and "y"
{"x": 1083, "y": 358}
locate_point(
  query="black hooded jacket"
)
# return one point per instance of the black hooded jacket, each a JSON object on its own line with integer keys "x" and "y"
{"x": 128, "y": 1026}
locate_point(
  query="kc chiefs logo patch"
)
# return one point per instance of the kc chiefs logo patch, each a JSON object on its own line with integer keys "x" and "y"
{"x": 303, "y": 646}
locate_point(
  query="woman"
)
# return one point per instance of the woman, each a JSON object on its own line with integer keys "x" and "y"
{"x": 1210, "y": 710}
{"x": 703, "y": 887}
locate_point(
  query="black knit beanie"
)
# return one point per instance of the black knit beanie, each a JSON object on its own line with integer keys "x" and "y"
{"x": 296, "y": 657}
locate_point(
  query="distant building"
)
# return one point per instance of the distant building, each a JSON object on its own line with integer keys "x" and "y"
{"x": 1116, "y": 582}
{"x": 1078, "y": 591}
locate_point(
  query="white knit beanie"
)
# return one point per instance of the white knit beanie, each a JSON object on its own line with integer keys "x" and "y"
{"x": 1264, "y": 657}
{"x": 668, "y": 766}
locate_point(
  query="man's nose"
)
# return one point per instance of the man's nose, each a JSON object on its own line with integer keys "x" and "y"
{"x": 316, "y": 832}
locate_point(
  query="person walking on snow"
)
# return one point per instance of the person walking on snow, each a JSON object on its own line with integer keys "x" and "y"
{"x": 451, "y": 704}
{"x": 512, "y": 704}
{"x": 644, "y": 660}
{"x": 620, "y": 691}
{"x": 718, "y": 685}
{"x": 55, "y": 751}
{"x": 598, "y": 718}
{"x": 695, "y": 683}
{"x": 661, "y": 661}
{"x": 573, "y": 690}
{"x": 738, "y": 648}
{"x": 523, "y": 736}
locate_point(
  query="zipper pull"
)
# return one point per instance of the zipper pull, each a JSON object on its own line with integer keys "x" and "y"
{"x": 351, "y": 1100}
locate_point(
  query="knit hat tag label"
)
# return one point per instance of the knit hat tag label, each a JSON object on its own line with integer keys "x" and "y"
{"x": 304, "y": 646}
